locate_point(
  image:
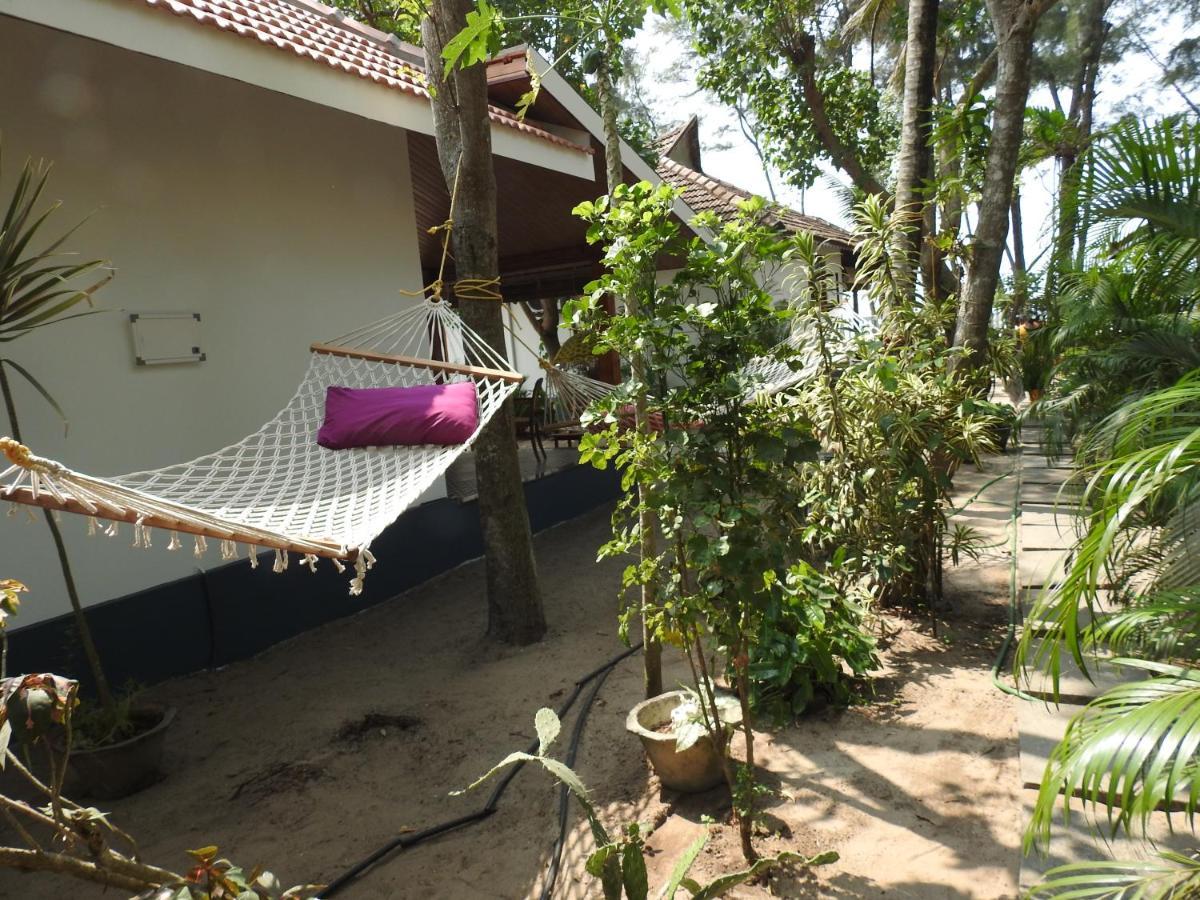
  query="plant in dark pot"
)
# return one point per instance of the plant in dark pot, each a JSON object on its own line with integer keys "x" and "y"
{"x": 1002, "y": 416}
{"x": 119, "y": 744}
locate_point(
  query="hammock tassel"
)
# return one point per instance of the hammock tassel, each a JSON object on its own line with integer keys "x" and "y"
{"x": 93, "y": 526}
{"x": 281, "y": 561}
{"x": 201, "y": 546}
{"x": 253, "y": 557}
{"x": 228, "y": 550}
{"x": 174, "y": 543}
{"x": 363, "y": 563}
{"x": 339, "y": 565}
{"x": 310, "y": 560}
{"x": 112, "y": 530}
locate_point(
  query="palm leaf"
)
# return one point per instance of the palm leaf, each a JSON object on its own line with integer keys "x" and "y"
{"x": 1129, "y": 752}
{"x": 1170, "y": 875}
{"x": 37, "y": 386}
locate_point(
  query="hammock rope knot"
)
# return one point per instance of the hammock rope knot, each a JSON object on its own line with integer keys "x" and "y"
{"x": 478, "y": 289}
{"x": 20, "y": 455}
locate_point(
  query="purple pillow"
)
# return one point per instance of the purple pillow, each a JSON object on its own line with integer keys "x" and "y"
{"x": 381, "y": 417}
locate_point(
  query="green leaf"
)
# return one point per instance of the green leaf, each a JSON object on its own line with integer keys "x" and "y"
{"x": 1171, "y": 875}
{"x": 478, "y": 40}
{"x": 719, "y": 886}
{"x": 548, "y": 726}
{"x": 517, "y": 756}
{"x": 37, "y": 385}
{"x": 682, "y": 866}
{"x": 595, "y": 862}
{"x": 633, "y": 871}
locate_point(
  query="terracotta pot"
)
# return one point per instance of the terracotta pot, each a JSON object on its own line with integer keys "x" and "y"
{"x": 696, "y": 769}
{"x": 126, "y": 767}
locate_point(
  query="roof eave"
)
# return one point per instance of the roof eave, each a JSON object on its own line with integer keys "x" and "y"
{"x": 142, "y": 28}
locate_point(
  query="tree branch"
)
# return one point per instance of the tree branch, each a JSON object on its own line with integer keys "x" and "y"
{"x": 33, "y": 861}
{"x": 800, "y": 50}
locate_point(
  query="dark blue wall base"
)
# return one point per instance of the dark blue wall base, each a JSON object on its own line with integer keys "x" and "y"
{"x": 233, "y": 611}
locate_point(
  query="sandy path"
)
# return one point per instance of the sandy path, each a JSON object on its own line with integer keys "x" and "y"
{"x": 917, "y": 791}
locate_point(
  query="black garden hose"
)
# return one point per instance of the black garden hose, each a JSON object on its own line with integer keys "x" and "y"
{"x": 407, "y": 841}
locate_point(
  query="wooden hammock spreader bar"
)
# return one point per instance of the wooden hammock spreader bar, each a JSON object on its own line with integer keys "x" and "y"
{"x": 325, "y": 549}
{"x": 431, "y": 364}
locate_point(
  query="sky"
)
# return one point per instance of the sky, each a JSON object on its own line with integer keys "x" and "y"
{"x": 726, "y": 154}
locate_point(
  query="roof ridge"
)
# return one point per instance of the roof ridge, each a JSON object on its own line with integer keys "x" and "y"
{"x": 777, "y": 210}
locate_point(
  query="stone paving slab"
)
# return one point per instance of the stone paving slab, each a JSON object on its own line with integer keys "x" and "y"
{"x": 1058, "y": 534}
{"x": 1041, "y": 726}
{"x": 1055, "y": 495}
{"x": 1045, "y": 534}
{"x": 1039, "y": 568}
{"x": 1073, "y": 685}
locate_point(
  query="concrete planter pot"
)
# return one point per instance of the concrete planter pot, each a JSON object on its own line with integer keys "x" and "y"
{"x": 696, "y": 769}
{"x": 126, "y": 767}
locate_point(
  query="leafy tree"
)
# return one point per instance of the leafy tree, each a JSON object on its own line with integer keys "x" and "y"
{"x": 789, "y": 68}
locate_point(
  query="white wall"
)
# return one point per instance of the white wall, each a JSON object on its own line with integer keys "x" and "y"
{"x": 280, "y": 221}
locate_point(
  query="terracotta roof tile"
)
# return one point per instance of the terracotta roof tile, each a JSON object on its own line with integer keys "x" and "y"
{"x": 702, "y": 192}
{"x": 324, "y": 35}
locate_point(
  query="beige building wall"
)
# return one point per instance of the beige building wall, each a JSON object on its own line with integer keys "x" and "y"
{"x": 279, "y": 221}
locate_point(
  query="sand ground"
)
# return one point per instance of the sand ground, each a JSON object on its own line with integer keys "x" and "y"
{"x": 311, "y": 755}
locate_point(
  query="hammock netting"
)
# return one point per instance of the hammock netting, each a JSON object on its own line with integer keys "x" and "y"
{"x": 277, "y": 488}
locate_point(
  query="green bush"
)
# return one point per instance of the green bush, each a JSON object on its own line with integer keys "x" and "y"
{"x": 811, "y": 645}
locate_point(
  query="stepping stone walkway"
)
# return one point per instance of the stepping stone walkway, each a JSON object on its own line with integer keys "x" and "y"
{"x": 1044, "y": 517}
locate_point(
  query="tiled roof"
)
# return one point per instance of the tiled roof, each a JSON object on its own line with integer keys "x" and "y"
{"x": 326, "y": 36}
{"x": 703, "y": 192}
{"x": 665, "y": 141}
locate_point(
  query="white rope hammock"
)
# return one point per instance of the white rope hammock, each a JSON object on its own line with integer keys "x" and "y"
{"x": 277, "y": 488}
{"x": 569, "y": 394}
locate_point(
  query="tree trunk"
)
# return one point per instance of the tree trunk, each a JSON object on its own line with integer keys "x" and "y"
{"x": 1020, "y": 268}
{"x": 1079, "y": 132}
{"x": 103, "y": 691}
{"x": 464, "y": 144}
{"x": 652, "y": 650}
{"x": 915, "y": 158}
{"x": 545, "y": 323}
{"x": 1014, "y": 24}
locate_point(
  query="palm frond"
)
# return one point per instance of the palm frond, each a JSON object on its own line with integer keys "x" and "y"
{"x": 38, "y": 287}
{"x": 1130, "y": 752}
{"x": 1169, "y": 875}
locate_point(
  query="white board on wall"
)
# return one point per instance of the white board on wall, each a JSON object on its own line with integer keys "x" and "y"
{"x": 162, "y": 338}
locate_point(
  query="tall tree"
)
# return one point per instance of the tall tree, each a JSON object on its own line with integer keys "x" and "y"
{"x": 914, "y": 162}
{"x": 464, "y": 144}
{"x": 1014, "y": 22}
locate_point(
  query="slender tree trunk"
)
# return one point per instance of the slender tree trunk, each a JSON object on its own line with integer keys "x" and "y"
{"x": 545, "y": 323}
{"x": 1079, "y": 134}
{"x": 1020, "y": 269}
{"x": 103, "y": 691}
{"x": 915, "y": 159}
{"x": 1014, "y": 23}
{"x": 652, "y": 650}
{"x": 464, "y": 144}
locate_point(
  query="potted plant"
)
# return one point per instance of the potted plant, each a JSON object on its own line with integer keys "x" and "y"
{"x": 677, "y": 743}
{"x": 119, "y": 743}
{"x": 1003, "y": 420}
